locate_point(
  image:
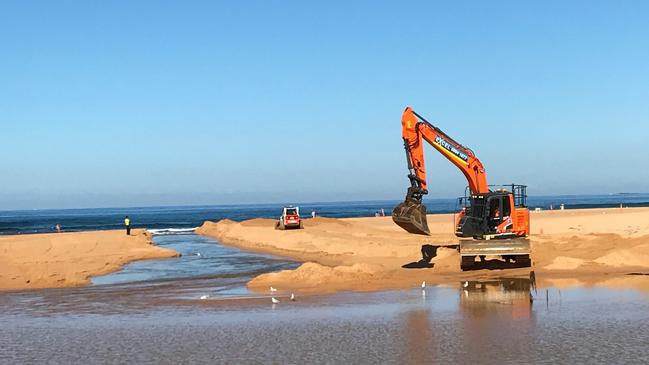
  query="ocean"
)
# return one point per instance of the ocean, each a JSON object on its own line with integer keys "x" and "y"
{"x": 184, "y": 217}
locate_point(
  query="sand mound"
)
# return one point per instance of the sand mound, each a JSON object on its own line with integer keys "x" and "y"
{"x": 564, "y": 263}
{"x": 312, "y": 275}
{"x": 621, "y": 258}
{"x": 308, "y": 222}
{"x": 259, "y": 222}
{"x": 312, "y": 222}
{"x": 222, "y": 222}
{"x": 447, "y": 259}
{"x": 359, "y": 269}
{"x": 55, "y": 260}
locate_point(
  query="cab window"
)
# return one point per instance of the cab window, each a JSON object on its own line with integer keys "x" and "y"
{"x": 507, "y": 209}
{"x": 494, "y": 208}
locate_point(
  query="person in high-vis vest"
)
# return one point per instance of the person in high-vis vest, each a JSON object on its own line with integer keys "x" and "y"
{"x": 127, "y": 224}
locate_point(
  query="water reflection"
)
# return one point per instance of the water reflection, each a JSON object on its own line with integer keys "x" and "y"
{"x": 490, "y": 310}
{"x": 485, "y": 310}
{"x": 500, "y": 296}
{"x": 490, "y": 321}
{"x": 419, "y": 337}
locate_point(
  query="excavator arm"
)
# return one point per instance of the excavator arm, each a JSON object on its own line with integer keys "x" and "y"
{"x": 411, "y": 214}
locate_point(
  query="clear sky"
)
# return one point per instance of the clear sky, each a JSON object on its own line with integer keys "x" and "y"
{"x": 123, "y": 103}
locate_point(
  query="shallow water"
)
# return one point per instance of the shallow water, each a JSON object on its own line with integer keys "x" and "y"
{"x": 480, "y": 322}
{"x": 226, "y": 268}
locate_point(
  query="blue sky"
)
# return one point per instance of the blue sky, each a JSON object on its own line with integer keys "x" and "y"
{"x": 158, "y": 102}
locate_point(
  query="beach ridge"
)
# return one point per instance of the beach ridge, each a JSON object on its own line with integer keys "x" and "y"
{"x": 70, "y": 259}
{"x": 588, "y": 246}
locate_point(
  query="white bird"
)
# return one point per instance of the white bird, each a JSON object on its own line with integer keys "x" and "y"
{"x": 198, "y": 254}
{"x": 272, "y": 290}
{"x": 275, "y": 301}
{"x": 204, "y": 297}
{"x": 423, "y": 284}
{"x": 466, "y": 284}
{"x": 292, "y": 297}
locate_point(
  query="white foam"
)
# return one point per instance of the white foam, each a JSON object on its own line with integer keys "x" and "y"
{"x": 170, "y": 231}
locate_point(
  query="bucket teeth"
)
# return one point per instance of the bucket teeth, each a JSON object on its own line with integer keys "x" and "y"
{"x": 411, "y": 216}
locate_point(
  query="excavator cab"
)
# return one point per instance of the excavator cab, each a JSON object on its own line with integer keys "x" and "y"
{"x": 492, "y": 213}
{"x": 484, "y": 214}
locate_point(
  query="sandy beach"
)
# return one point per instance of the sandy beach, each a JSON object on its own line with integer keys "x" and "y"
{"x": 570, "y": 248}
{"x": 70, "y": 259}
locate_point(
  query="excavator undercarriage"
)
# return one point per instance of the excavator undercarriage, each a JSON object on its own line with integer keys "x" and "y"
{"x": 512, "y": 250}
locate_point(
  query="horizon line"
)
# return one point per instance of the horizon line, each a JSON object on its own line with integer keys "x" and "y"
{"x": 293, "y": 203}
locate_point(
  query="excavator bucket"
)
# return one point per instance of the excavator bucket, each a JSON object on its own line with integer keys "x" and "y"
{"x": 411, "y": 216}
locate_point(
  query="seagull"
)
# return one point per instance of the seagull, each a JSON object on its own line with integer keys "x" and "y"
{"x": 275, "y": 301}
{"x": 423, "y": 284}
{"x": 272, "y": 290}
{"x": 466, "y": 284}
{"x": 292, "y": 297}
{"x": 198, "y": 254}
{"x": 203, "y": 297}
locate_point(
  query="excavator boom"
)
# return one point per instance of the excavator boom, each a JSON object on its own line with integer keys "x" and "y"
{"x": 411, "y": 214}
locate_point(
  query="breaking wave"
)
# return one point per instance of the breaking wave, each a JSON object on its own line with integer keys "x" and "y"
{"x": 171, "y": 231}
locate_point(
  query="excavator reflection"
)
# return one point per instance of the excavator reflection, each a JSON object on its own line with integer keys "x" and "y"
{"x": 511, "y": 295}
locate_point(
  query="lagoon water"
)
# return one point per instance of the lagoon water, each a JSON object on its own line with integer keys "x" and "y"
{"x": 202, "y": 258}
{"x": 485, "y": 323}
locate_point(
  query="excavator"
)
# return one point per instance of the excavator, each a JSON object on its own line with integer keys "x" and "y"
{"x": 493, "y": 221}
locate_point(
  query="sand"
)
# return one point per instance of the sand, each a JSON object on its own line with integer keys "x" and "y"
{"x": 583, "y": 247}
{"x": 70, "y": 259}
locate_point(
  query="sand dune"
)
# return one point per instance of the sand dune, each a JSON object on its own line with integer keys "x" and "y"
{"x": 367, "y": 253}
{"x": 70, "y": 259}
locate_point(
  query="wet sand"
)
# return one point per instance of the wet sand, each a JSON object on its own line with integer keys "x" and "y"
{"x": 70, "y": 259}
{"x": 570, "y": 248}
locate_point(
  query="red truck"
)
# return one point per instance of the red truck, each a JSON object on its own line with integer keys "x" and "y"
{"x": 290, "y": 219}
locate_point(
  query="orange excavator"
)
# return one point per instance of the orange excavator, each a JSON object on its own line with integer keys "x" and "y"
{"x": 494, "y": 217}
